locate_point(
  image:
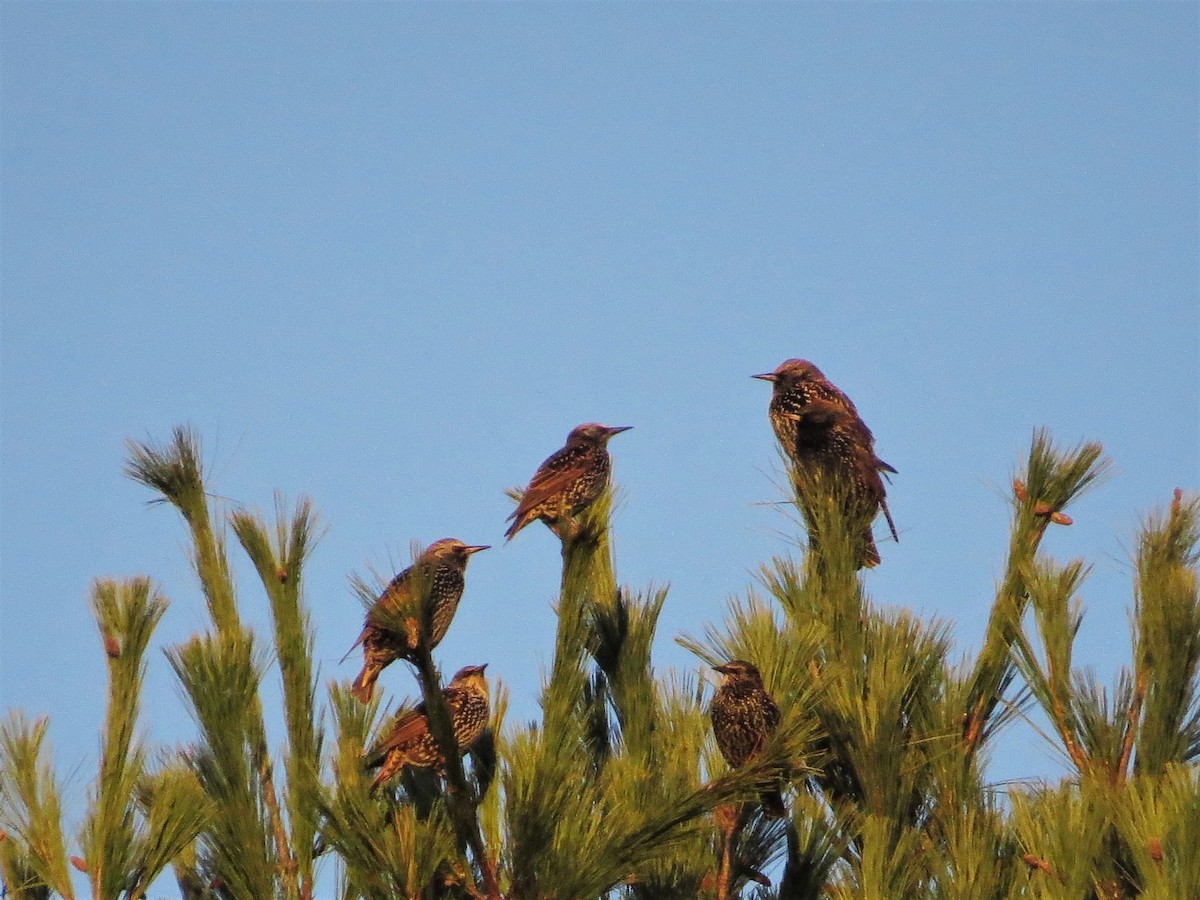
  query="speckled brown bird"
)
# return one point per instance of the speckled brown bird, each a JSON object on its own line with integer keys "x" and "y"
{"x": 409, "y": 741}
{"x": 826, "y": 440}
{"x": 569, "y": 480}
{"x": 743, "y": 717}
{"x": 441, "y": 568}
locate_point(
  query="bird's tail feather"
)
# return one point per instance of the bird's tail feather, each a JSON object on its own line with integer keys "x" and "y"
{"x": 514, "y": 528}
{"x": 364, "y": 685}
{"x": 887, "y": 514}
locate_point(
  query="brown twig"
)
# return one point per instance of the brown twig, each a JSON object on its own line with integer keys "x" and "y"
{"x": 287, "y": 862}
{"x": 1060, "y": 722}
{"x": 1131, "y": 723}
{"x": 1001, "y": 632}
{"x": 730, "y": 820}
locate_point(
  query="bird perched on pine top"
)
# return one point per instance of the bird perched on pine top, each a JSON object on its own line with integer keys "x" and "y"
{"x": 743, "y": 717}
{"x": 829, "y": 444}
{"x": 568, "y": 481}
{"x": 409, "y": 741}
{"x": 439, "y": 570}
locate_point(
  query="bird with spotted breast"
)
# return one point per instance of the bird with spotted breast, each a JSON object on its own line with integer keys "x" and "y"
{"x": 568, "y": 481}
{"x": 744, "y": 716}
{"x": 439, "y": 570}
{"x": 828, "y": 443}
{"x": 409, "y": 741}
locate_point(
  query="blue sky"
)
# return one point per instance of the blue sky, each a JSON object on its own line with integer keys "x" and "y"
{"x": 388, "y": 255}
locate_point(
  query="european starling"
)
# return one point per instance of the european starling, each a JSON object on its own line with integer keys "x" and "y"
{"x": 569, "y": 480}
{"x": 410, "y": 743}
{"x": 743, "y": 717}
{"x": 828, "y": 442}
{"x": 439, "y": 570}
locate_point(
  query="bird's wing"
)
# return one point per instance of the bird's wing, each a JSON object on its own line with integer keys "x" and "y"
{"x": 397, "y": 590}
{"x": 407, "y": 728}
{"x": 395, "y": 597}
{"x": 829, "y": 392}
{"x": 553, "y": 476}
{"x": 824, "y": 411}
{"x": 770, "y": 722}
{"x": 820, "y": 421}
{"x": 414, "y": 724}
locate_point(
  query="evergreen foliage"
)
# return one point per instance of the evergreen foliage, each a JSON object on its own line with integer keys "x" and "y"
{"x": 619, "y": 791}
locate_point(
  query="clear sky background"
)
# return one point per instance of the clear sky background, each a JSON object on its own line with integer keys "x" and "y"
{"x": 388, "y": 255}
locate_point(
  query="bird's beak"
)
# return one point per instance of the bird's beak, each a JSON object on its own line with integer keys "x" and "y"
{"x": 617, "y": 429}
{"x": 723, "y": 669}
{"x": 765, "y": 376}
{"x": 477, "y": 548}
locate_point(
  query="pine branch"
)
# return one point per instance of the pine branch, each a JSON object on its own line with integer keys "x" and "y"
{"x": 817, "y": 839}
{"x": 1051, "y": 481}
{"x": 18, "y": 876}
{"x": 682, "y": 751}
{"x": 628, "y": 832}
{"x": 355, "y": 827}
{"x": 280, "y": 567}
{"x": 544, "y": 790}
{"x": 220, "y": 676}
{"x": 175, "y": 809}
{"x": 578, "y": 739}
{"x": 175, "y": 472}
{"x": 1167, "y": 650}
{"x": 622, "y": 638}
{"x": 826, "y": 587}
{"x": 112, "y": 838}
{"x": 30, "y": 810}
{"x": 588, "y": 588}
{"x": 1060, "y": 836}
{"x": 888, "y": 863}
{"x": 1158, "y": 818}
{"x": 1052, "y": 591}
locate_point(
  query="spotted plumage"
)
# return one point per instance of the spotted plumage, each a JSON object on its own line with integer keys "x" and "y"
{"x": 409, "y": 741}
{"x": 568, "y": 481}
{"x": 828, "y": 443}
{"x": 440, "y": 569}
{"x": 743, "y": 717}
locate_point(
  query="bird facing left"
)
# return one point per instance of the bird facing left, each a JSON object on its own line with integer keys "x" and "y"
{"x": 744, "y": 716}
